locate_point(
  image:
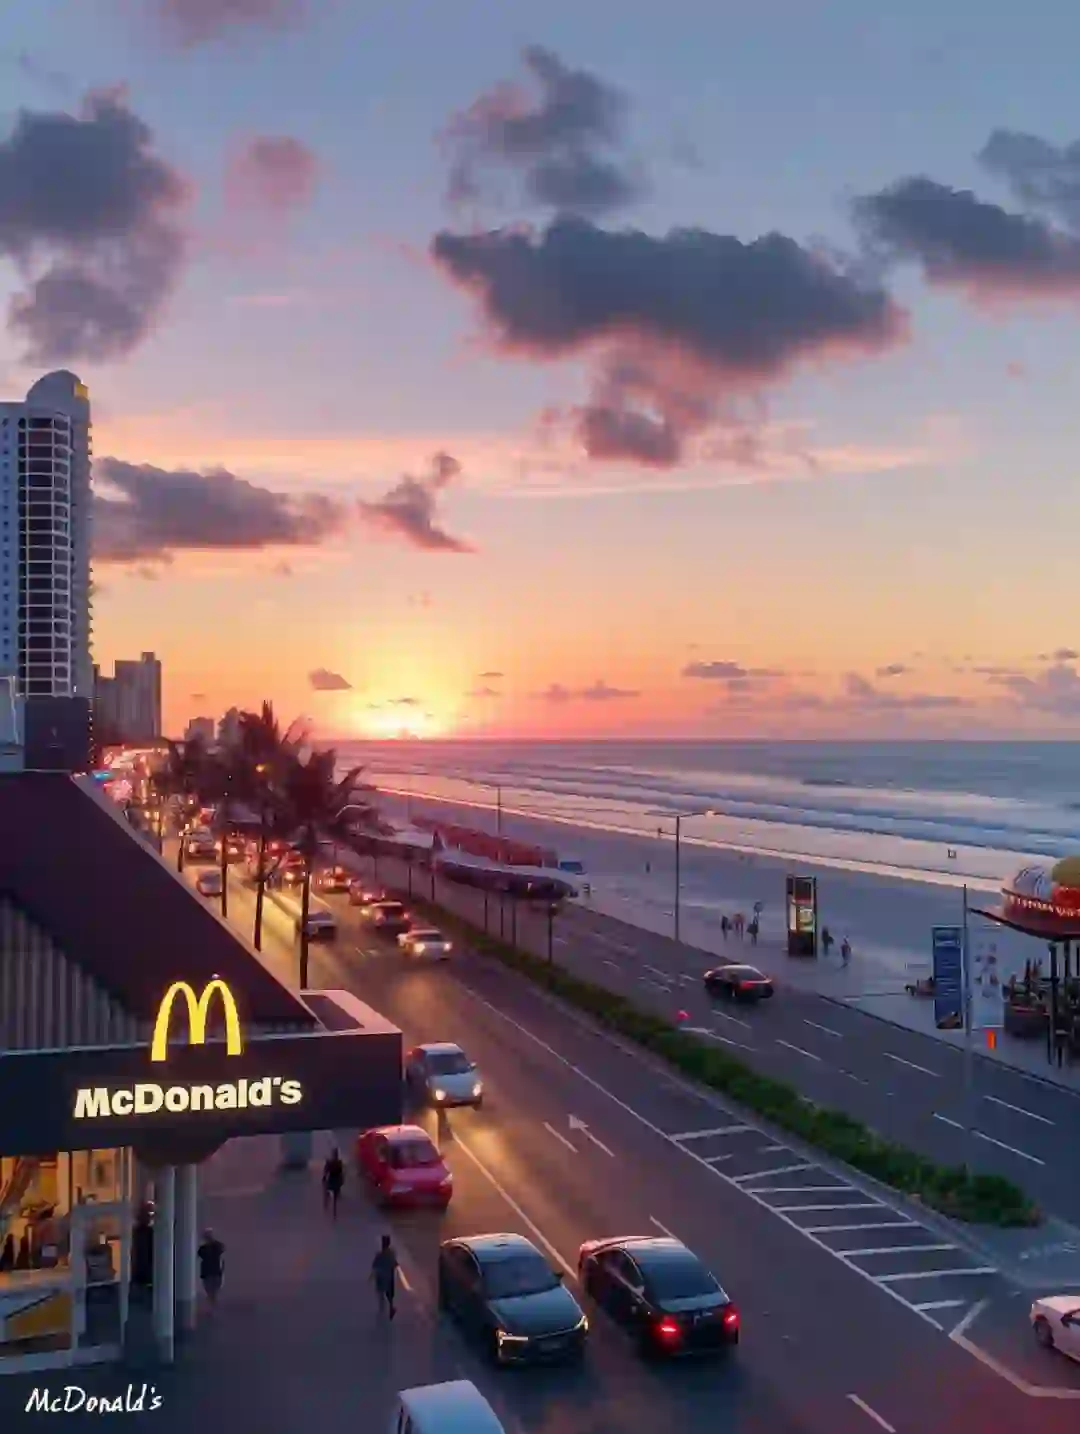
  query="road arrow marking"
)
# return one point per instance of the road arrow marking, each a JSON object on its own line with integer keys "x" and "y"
{"x": 576, "y": 1124}
{"x": 560, "y": 1137}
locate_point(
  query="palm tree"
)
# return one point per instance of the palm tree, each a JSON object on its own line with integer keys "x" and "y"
{"x": 256, "y": 763}
{"x": 182, "y": 774}
{"x": 313, "y": 801}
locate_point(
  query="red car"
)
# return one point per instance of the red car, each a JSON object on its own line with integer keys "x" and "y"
{"x": 402, "y": 1165}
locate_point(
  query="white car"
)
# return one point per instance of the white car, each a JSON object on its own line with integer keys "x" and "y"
{"x": 443, "y": 1075}
{"x": 208, "y": 883}
{"x": 425, "y": 941}
{"x": 1056, "y": 1322}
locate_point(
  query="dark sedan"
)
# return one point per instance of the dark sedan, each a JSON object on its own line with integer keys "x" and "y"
{"x": 504, "y": 1293}
{"x": 738, "y": 983}
{"x": 661, "y": 1293}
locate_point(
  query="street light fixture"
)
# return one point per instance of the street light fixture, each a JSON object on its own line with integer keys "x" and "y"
{"x": 678, "y": 818}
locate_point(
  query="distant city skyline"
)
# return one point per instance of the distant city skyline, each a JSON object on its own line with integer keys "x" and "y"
{"x": 707, "y": 377}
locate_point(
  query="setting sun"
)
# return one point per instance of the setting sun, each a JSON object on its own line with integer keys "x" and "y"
{"x": 399, "y": 721}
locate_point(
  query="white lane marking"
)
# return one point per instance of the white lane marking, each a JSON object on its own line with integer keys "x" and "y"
{"x": 935, "y": 1274}
{"x": 778, "y": 1170}
{"x": 827, "y": 1029}
{"x": 942, "y": 1305}
{"x": 717, "y": 1159}
{"x": 613, "y": 964}
{"x": 723, "y": 1015}
{"x": 581, "y": 1126}
{"x": 808, "y": 1054}
{"x": 560, "y": 1137}
{"x": 876, "y": 1225}
{"x": 969, "y": 1319}
{"x": 687, "y": 981}
{"x": 705, "y": 1134}
{"x": 1019, "y": 1109}
{"x": 715, "y": 1036}
{"x": 800, "y": 1190}
{"x": 662, "y": 1228}
{"x": 895, "y": 1250}
{"x": 1010, "y": 1148}
{"x": 772, "y": 1149}
{"x": 518, "y": 1211}
{"x": 798, "y": 1209}
{"x": 871, "y": 1414}
{"x": 911, "y": 1065}
{"x": 946, "y": 1121}
{"x": 1032, "y": 1391}
{"x": 662, "y": 974}
{"x": 647, "y": 1124}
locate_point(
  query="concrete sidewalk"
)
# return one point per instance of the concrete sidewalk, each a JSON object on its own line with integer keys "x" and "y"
{"x": 296, "y": 1341}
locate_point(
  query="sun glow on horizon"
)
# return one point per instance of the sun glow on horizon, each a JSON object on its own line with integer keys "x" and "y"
{"x": 396, "y": 720}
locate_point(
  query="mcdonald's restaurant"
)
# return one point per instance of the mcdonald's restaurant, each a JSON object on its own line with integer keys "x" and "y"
{"x": 138, "y": 1034}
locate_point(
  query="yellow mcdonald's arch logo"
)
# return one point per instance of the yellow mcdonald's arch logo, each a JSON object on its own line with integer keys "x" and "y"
{"x": 198, "y": 1008}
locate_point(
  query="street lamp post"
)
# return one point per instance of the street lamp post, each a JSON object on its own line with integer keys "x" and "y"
{"x": 679, "y": 818}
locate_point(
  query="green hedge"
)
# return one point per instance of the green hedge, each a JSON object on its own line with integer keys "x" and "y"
{"x": 950, "y": 1189}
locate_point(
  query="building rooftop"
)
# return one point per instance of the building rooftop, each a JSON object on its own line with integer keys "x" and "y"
{"x": 71, "y": 863}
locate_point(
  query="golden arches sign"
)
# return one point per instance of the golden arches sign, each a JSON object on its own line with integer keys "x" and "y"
{"x": 198, "y": 1008}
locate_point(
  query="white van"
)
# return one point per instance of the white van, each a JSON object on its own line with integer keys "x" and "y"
{"x": 454, "y": 1408}
{"x": 321, "y": 922}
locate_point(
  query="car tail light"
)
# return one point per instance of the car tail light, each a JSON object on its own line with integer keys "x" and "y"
{"x": 731, "y": 1319}
{"x": 669, "y": 1328}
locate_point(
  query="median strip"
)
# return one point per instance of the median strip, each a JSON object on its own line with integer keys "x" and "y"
{"x": 953, "y": 1190}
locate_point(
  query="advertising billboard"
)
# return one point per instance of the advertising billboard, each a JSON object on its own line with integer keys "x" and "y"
{"x": 948, "y": 953}
{"x": 802, "y": 916}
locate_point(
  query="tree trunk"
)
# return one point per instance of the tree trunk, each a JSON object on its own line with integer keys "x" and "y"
{"x": 225, "y": 872}
{"x": 180, "y": 852}
{"x": 260, "y": 884}
{"x": 305, "y": 908}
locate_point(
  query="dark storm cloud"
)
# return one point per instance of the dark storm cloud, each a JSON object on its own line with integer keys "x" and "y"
{"x": 1042, "y": 175}
{"x": 564, "y": 141}
{"x": 599, "y": 691}
{"x": 323, "y": 680}
{"x": 963, "y": 241}
{"x": 90, "y": 215}
{"x": 682, "y": 324}
{"x": 157, "y": 512}
{"x": 198, "y": 22}
{"x": 272, "y": 174}
{"x": 410, "y": 509}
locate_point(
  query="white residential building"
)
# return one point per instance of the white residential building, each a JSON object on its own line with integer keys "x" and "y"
{"x": 127, "y": 706}
{"x": 45, "y": 622}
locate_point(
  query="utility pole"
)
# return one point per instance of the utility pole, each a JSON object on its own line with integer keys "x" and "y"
{"x": 969, "y": 1055}
{"x": 678, "y": 870}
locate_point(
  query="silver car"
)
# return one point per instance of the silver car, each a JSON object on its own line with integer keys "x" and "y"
{"x": 425, "y": 941}
{"x": 442, "y": 1075}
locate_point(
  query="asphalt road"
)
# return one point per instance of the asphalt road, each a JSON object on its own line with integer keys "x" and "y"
{"x": 579, "y": 1138}
{"x": 908, "y": 1086}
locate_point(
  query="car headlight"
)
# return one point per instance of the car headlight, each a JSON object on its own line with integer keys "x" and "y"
{"x": 439, "y": 1094}
{"x": 506, "y": 1338}
{"x": 478, "y": 1088}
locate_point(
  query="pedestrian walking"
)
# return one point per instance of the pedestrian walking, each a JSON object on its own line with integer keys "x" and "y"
{"x": 725, "y": 926}
{"x": 752, "y": 931}
{"x": 211, "y": 1265}
{"x": 845, "y": 952}
{"x": 384, "y": 1268}
{"x": 333, "y": 1180}
{"x": 738, "y": 924}
{"x": 826, "y": 940}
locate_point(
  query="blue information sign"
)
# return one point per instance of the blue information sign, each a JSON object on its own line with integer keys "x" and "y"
{"x": 948, "y": 943}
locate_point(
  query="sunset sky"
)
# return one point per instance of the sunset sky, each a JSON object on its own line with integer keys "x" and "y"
{"x": 414, "y": 410}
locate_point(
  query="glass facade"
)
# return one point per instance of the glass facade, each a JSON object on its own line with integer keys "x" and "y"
{"x": 65, "y": 1242}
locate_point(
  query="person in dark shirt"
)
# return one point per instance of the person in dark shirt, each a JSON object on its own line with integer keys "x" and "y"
{"x": 211, "y": 1265}
{"x": 384, "y": 1268}
{"x": 333, "y": 1180}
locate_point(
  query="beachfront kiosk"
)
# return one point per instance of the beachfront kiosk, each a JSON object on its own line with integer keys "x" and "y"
{"x": 137, "y": 1035}
{"x": 1043, "y": 901}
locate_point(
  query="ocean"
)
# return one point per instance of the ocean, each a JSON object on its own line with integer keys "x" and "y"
{"x": 945, "y": 812}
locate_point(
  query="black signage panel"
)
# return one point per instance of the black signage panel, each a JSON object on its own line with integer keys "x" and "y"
{"x": 200, "y": 1095}
{"x": 802, "y": 916}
